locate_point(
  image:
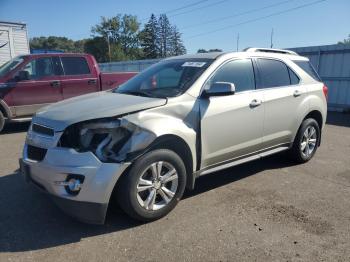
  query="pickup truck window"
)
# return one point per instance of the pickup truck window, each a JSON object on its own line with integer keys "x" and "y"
{"x": 39, "y": 68}
{"x": 75, "y": 65}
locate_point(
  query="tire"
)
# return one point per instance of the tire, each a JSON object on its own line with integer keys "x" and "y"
{"x": 135, "y": 196}
{"x": 304, "y": 149}
{"x": 2, "y": 121}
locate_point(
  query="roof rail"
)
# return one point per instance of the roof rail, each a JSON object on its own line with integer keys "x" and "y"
{"x": 270, "y": 50}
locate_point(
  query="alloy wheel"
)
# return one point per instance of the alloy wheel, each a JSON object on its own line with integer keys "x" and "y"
{"x": 308, "y": 141}
{"x": 157, "y": 185}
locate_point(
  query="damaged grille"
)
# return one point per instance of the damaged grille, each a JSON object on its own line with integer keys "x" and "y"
{"x": 36, "y": 153}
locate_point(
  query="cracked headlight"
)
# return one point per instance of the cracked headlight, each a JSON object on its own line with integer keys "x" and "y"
{"x": 111, "y": 140}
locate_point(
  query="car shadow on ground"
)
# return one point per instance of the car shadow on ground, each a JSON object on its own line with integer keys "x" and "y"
{"x": 29, "y": 220}
{"x": 11, "y": 128}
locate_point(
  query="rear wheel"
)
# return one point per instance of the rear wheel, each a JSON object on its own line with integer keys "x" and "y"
{"x": 153, "y": 186}
{"x": 306, "y": 141}
{"x": 2, "y": 121}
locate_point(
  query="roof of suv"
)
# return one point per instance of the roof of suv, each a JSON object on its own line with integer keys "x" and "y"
{"x": 252, "y": 52}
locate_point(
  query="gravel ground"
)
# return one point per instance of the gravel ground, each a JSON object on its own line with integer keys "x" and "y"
{"x": 267, "y": 210}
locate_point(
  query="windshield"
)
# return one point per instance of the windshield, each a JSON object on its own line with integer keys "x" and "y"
{"x": 9, "y": 65}
{"x": 165, "y": 79}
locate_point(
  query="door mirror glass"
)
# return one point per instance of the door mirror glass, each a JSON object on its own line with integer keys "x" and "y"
{"x": 220, "y": 89}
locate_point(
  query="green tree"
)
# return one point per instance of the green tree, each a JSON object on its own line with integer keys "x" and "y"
{"x": 176, "y": 45}
{"x": 149, "y": 39}
{"x": 98, "y": 47}
{"x": 345, "y": 41}
{"x": 164, "y": 35}
{"x": 55, "y": 43}
{"x": 201, "y": 50}
{"x": 121, "y": 34}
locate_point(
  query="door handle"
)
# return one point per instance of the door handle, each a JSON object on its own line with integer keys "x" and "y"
{"x": 55, "y": 83}
{"x": 255, "y": 103}
{"x": 297, "y": 93}
{"x": 92, "y": 81}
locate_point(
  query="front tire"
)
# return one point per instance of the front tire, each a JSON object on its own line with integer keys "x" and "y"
{"x": 306, "y": 141}
{"x": 2, "y": 121}
{"x": 153, "y": 186}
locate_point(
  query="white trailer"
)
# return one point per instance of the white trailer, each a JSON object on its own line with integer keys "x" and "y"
{"x": 13, "y": 40}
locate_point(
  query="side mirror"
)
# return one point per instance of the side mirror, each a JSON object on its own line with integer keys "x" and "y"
{"x": 22, "y": 75}
{"x": 220, "y": 89}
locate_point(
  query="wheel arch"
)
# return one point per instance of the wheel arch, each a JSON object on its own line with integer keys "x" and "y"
{"x": 5, "y": 110}
{"x": 181, "y": 148}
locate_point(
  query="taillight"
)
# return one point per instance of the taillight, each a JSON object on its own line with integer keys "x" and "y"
{"x": 325, "y": 91}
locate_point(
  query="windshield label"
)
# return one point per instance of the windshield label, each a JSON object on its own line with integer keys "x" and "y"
{"x": 194, "y": 64}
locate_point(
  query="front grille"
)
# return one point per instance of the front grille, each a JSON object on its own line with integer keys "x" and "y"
{"x": 36, "y": 153}
{"x": 43, "y": 130}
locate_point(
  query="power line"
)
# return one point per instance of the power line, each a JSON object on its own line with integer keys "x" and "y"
{"x": 199, "y": 8}
{"x": 238, "y": 14}
{"x": 185, "y": 6}
{"x": 179, "y": 8}
{"x": 257, "y": 19}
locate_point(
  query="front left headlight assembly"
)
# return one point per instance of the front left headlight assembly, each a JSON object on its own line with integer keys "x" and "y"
{"x": 111, "y": 140}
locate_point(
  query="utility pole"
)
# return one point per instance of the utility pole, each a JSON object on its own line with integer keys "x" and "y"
{"x": 271, "y": 38}
{"x": 237, "y": 41}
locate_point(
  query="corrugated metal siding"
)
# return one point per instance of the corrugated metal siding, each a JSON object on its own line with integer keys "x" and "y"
{"x": 332, "y": 63}
{"x": 127, "y": 66}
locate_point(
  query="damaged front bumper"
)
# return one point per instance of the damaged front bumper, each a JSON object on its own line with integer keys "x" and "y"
{"x": 51, "y": 174}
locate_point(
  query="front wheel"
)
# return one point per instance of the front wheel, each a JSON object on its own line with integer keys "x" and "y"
{"x": 306, "y": 141}
{"x": 153, "y": 186}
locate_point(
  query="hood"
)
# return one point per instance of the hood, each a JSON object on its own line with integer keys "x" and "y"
{"x": 93, "y": 106}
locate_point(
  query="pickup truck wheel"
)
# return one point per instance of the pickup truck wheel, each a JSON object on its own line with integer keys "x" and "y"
{"x": 306, "y": 141}
{"x": 2, "y": 121}
{"x": 153, "y": 186}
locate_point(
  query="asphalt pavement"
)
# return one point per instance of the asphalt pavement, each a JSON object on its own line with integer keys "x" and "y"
{"x": 267, "y": 210}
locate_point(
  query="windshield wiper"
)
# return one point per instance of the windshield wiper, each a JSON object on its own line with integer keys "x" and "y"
{"x": 135, "y": 93}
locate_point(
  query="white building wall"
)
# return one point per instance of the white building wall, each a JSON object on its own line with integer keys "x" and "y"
{"x": 13, "y": 41}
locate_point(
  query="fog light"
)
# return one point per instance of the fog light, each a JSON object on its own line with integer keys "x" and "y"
{"x": 72, "y": 184}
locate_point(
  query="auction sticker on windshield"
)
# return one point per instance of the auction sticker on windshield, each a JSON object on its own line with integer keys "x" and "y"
{"x": 194, "y": 64}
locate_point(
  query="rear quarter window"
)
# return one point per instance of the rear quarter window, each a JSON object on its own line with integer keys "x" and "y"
{"x": 309, "y": 69}
{"x": 75, "y": 65}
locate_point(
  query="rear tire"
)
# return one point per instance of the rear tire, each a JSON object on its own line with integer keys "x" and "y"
{"x": 153, "y": 186}
{"x": 2, "y": 121}
{"x": 306, "y": 141}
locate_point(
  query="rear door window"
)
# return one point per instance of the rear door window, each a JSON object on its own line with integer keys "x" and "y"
{"x": 309, "y": 69}
{"x": 75, "y": 65}
{"x": 273, "y": 73}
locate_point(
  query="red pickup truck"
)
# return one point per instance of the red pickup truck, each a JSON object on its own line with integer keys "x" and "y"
{"x": 29, "y": 82}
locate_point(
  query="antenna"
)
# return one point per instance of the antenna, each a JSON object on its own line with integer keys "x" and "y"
{"x": 237, "y": 41}
{"x": 271, "y": 45}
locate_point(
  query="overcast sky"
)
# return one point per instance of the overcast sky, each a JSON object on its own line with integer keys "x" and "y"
{"x": 208, "y": 24}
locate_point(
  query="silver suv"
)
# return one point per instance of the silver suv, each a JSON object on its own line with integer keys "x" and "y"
{"x": 144, "y": 142}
